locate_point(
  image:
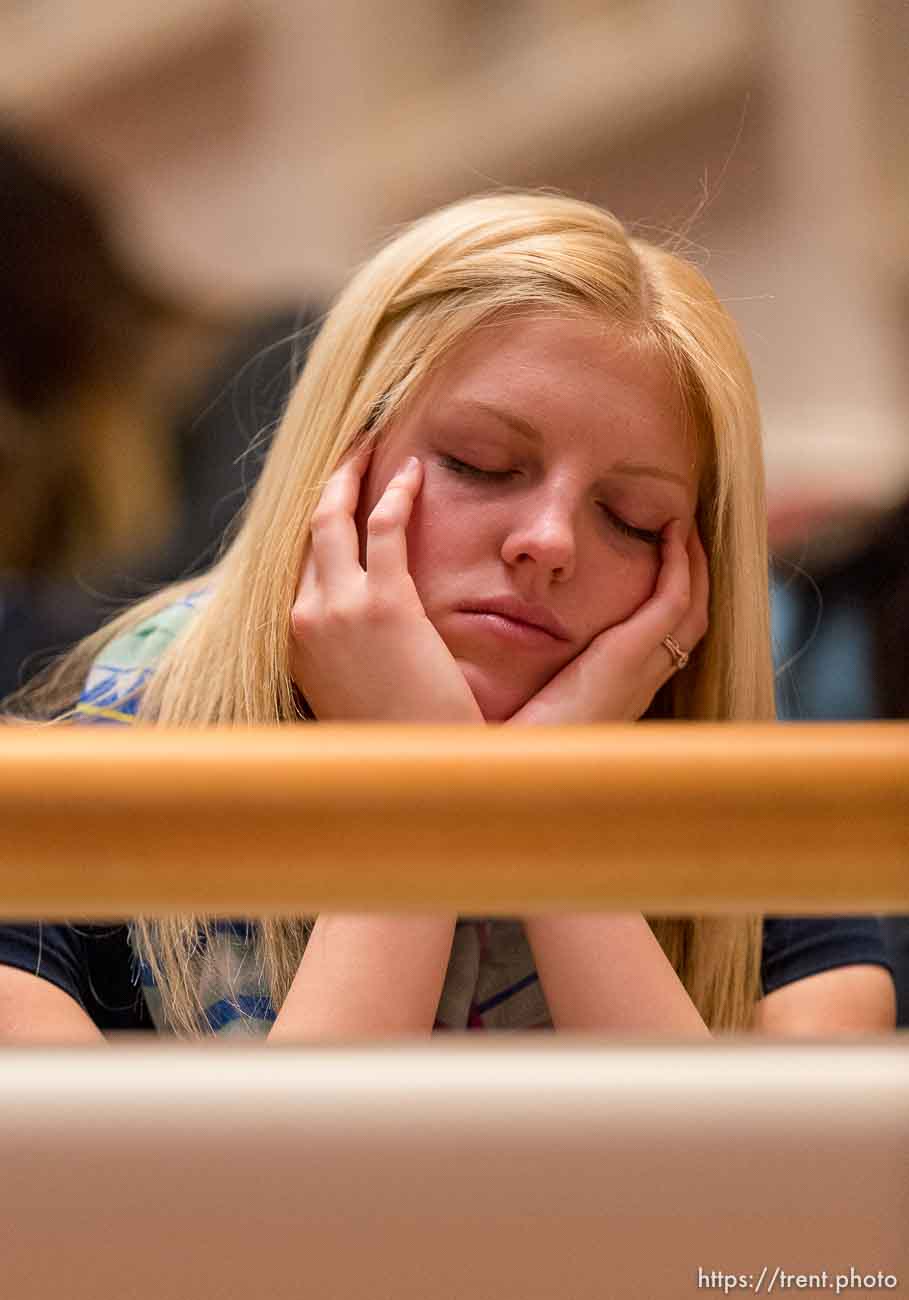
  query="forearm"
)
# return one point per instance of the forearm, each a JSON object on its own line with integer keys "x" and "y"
{"x": 365, "y": 976}
{"x": 607, "y": 972}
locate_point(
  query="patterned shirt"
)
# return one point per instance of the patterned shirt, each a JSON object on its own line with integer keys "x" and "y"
{"x": 491, "y": 982}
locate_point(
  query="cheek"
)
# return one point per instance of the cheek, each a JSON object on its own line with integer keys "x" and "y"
{"x": 439, "y": 534}
{"x": 623, "y": 587}
{"x": 431, "y": 548}
{"x": 646, "y": 573}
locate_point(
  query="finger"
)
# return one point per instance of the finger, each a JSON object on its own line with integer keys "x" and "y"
{"x": 386, "y": 527}
{"x": 308, "y": 584}
{"x": 693, "y": 626}
{"x": 664, "y": 611}
{"x": 334, "y": 544}
{"x": 305, "y": 599}
{"x": 641, "y": 637}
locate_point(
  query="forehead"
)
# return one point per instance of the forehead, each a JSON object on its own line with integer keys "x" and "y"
{"x": 573, "y": 378}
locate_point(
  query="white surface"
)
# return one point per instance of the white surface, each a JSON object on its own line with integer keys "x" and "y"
{"x": 514, "y": 1168}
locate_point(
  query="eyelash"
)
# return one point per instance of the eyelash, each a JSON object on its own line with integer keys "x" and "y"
{"x": 628, "y": 530}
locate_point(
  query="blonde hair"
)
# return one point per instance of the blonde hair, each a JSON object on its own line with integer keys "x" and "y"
{"x": 422, "y": 293}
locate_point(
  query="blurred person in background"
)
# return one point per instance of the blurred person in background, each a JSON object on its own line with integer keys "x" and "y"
{"x": 840, "y": 601}
{"x": 126, "y": 416}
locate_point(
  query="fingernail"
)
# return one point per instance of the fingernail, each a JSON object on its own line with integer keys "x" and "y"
{"x": 411, "y": 463}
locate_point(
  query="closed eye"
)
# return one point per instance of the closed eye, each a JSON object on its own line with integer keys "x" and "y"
{"x": 628, "y": 530}
{"x": 621, "y": 525}
{"x": 461, "y": 467}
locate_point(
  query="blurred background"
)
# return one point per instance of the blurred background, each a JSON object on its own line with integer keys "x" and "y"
{"x": 186, "y": 184}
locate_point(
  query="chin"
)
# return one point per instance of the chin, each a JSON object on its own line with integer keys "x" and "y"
{"x": 496, "y": 712}
{"x": 497, "y": 701}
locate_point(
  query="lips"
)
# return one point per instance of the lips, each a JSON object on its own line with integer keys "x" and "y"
{"x": 520, "y": 612}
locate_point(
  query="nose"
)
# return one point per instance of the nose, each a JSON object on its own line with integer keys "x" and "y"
{"x": 541, "y": 538}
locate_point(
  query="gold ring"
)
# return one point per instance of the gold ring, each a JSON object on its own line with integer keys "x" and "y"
{"x": 680, "y": 657}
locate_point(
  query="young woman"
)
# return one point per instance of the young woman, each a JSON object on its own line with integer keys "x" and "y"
{"x": 519, "y": 482}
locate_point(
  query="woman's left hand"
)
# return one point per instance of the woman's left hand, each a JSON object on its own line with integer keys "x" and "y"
{"x": 616, "y": 677}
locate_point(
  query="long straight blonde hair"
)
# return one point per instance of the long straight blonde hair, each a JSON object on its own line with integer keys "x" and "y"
{"x": 440, "y": 278}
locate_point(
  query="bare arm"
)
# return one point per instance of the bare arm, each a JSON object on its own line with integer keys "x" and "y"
{"x": 365, "y": 977}
{"x": 32, "y": 1010}
{"x": 607, "y": 972}
{"x": 845, "y": 1001}
{"x": 362, "y": 648}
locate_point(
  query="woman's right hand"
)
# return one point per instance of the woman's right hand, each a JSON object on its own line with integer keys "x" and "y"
{"x": 361, "y": 645}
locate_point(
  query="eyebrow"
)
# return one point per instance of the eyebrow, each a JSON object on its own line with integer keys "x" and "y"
{"x": 634, "y": 469}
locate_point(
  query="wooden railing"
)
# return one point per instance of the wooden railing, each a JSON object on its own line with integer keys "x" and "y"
{"x": 669, "y": 818}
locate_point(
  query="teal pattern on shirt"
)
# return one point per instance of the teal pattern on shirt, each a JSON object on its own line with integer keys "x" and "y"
{"x": 491, "y": 982}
